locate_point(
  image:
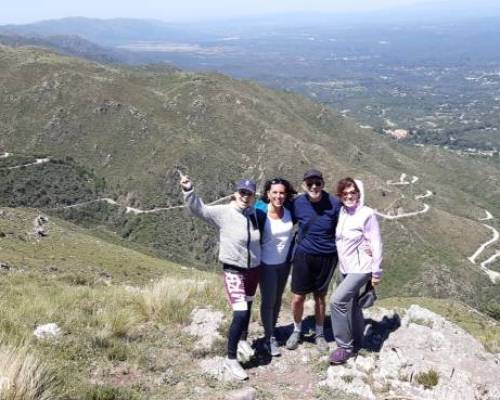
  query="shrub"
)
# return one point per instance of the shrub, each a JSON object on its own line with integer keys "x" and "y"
{"x": 24, "y": 377}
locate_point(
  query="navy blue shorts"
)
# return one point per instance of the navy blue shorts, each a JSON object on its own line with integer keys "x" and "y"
{"x": 312, "y": 273}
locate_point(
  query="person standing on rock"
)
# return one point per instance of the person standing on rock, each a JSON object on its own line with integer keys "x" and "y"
{"x": 359, "y": 247}
{"x": 315, "y": 257}
{"x": 239, "y": 253}
{"x": 276, "y": 222}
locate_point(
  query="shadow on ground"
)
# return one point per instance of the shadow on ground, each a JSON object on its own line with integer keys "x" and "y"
{"x": 376, "y": 332}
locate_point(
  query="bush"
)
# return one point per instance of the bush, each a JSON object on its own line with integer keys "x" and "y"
{"x": 493, "y": 309}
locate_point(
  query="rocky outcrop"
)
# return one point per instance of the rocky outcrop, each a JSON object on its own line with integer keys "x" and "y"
{"x": 427, "y": 357}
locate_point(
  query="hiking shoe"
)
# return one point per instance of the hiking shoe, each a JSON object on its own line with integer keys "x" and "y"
{"x": 274, "y": 347}
{"x": 235, "y": 369}
{"x": 340, "y": 355}
{"x": 321, "y": 344}
{"x": 293, "y": 341}
{"x": 245, "y": 352}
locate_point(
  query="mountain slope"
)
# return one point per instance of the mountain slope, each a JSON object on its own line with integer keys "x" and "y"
{"x": 136, "y": 127}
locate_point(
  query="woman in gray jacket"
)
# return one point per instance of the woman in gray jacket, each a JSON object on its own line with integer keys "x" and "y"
{"x": 239, "y": 253}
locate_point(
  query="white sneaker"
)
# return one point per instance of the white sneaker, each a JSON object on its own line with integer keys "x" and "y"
{"x": 235, "y": 369}
{"x": 245, "y": 352}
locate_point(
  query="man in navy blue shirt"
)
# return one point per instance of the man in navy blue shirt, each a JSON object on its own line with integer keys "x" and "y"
{"x": 315, "y": 259}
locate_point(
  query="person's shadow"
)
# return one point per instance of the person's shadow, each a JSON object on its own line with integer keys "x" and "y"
{"x": 376, "y": 332}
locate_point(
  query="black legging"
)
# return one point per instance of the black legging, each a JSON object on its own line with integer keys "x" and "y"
{"x": 238, "y": 330}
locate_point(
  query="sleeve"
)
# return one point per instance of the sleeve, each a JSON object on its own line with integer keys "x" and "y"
{"x": 372, "y": 234}
{"x": 195, "y": 205}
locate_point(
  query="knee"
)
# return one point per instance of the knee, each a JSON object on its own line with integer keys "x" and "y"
{"x": 337, "y": 303}
{"x": 297, "y": 300}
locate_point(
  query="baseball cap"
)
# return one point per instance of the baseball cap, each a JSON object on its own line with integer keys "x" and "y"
{"x": 313, "y": 173}
{"x": 246, "y": 184}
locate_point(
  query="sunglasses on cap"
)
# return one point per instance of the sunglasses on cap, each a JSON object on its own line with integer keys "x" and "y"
{"x": 314, "y": 182}
{"x": 276, "y": 181}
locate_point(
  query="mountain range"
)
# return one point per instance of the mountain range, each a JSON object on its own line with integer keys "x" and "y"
{"x": 132, "y": 128}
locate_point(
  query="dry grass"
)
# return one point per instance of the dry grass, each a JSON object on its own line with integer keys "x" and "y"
{"x": 170, "y": 299}
{"x": 24, "y": 377}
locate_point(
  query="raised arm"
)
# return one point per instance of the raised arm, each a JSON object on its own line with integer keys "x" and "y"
{"x": 195, "y": 205}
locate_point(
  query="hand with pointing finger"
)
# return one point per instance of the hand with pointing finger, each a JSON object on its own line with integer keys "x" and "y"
{"x": 185, "y": 182}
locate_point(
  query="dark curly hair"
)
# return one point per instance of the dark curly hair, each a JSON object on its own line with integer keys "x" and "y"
{"x": 290, "y": 191}
{"x": 345, "y": 183}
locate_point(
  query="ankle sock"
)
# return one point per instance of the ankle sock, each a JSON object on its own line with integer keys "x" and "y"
{"x": 319, "y": 330}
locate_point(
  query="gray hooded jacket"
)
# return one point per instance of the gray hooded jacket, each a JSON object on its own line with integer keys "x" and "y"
{"x": 239, "y": 234}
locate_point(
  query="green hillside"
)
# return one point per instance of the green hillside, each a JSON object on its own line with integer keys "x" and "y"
{"x": 135, "y": 127}
{"x": 121, "y": 315}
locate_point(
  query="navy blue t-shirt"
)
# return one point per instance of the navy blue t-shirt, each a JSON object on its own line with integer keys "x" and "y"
{"x": 320, "y": 236}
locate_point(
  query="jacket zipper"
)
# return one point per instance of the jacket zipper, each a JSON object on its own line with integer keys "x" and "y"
{"x": 248, "y": 242}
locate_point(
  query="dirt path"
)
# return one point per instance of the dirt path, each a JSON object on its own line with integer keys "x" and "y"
{"x": 38, "y": 161}
{"x": 404, "y": 215}
{"x": 481, "y": 248}
{"x": 493, "y": 275}
{"x": 132, "y": 209}
{"x": 428, "y": 193}
{"x": 487, "y": 217}
{"x": 404, "y": 181}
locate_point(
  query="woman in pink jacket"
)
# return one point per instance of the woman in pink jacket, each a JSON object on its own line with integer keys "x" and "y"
{"x": 359, "y": 248}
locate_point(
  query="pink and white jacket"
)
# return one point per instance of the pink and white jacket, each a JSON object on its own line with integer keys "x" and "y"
{"x": 357, "y": 236}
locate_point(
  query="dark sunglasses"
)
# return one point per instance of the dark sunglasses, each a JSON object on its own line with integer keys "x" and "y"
{"x": 244, "y": 192}
{"x": 353, "y": 192}
{"x": 276, "y": 181}
{"x": 314, "y": 182}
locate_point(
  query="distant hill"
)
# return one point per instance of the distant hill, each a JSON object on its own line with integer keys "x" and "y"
{"x": 109, "y": 32}
{"x": 136, "y": 126}
{"x": 73, "y": 45}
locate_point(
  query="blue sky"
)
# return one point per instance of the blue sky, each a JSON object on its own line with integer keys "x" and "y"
{"x": 24, "y": 11}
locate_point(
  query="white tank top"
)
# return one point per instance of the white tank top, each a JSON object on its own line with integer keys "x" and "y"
{"x": 277, "y": 239}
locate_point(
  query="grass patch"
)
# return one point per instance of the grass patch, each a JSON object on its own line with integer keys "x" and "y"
{"x": 427, "y": 379}
{"x": 24, "y": 377}
{"x": 134, "y": 320}
{"x": 110, "y": 393}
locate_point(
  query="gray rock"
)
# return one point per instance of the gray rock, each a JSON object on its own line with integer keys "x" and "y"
{"x": 427, "y": 342}
{"x": 47, "y": 331}
{"x": 40, "y": 228}
{"x": 349, "y": 380}
{"x": 247, "y": 393}
{"x": 205, "y": 324}
{"x": 424, "y": 344}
